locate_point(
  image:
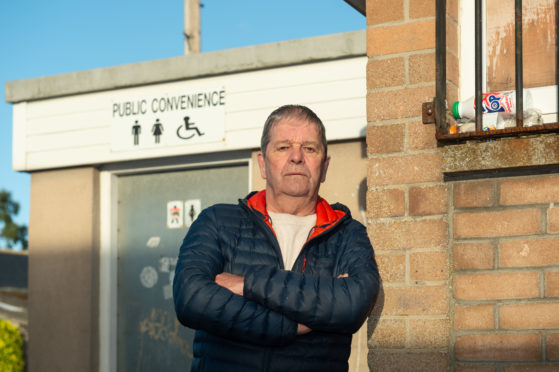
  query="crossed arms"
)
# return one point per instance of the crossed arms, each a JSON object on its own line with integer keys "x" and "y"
{"x": 269, "y": 305}
{"x": 236, "y": 284}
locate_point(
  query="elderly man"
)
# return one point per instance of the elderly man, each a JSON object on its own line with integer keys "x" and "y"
{"x": 282, "y": 280}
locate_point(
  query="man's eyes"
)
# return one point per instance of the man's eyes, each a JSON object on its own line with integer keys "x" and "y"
{"x": 309, "y": 149}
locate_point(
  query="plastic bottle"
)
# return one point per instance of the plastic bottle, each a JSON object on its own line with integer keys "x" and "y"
{"x": 499, "y": 109}
{"x": 493, "y": 102}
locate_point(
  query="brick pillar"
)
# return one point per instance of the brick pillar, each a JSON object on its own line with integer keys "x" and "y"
{"x": 407, "y": 200}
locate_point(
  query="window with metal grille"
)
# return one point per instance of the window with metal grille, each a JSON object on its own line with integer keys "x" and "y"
{"x": 448, "y": 128}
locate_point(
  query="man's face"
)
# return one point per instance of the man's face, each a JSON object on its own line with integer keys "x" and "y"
{"x": 294, "y": 164}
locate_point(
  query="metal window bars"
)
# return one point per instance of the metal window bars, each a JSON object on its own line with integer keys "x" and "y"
{"x": 436, "y": 111}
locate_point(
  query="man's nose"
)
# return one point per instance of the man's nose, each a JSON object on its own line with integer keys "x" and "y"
{"x": 296, "y": 155}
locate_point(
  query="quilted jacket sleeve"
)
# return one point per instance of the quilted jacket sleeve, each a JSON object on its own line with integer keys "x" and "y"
{"x": 323, "y": 303}
{"x": 202, "y": 304}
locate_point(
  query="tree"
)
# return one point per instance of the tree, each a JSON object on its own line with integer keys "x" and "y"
{"x": 11, "y": 233}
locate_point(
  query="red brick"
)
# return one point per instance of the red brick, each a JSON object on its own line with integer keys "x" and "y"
{"x": 399, "y": 235}
{"x": 452, "y": 8}
{"x": 529, "y": 252}
{"x": 386, "y": 203}
{"x": 451, "y": 89}
{"x": 415, "y": 300}
{"x": 421, "y": 136}
{"x": 398, "y": 103}
{"x": 529, "y": 316}
{"x": 426, "y": 200}
{"x": 452, "y": 36}
{"x": 530, "y": 190}
{"x": 473, "y": 194}
{"x": 500, "y": 223}
{"x": 422, "y": 8}
{"x": 552, "y": 284}
{"x": 386, "y": 72}
{"x": 422, "y": 68}
{"x": 475, "y": 368}
{"x": 478, "y": 255}
{"x": 504, "y": 347}
{"x": 453, "y": 75}
{"x": 383, "y": 11}
{"x": 530, "y": 368}
{"x": 389, "y": 334}
{"x": 552, "y": 348}
{"x": 385, "y": 138}
{"x": 401, "y": 38}
{"x": 553, "y": 220}
{"x": 384, "y": 361}
{"x": 428, "y": 266}
{"x": 392, "y": 267}
{"x": 474, "y": 317}
{"x": 394, "y": 170}
{"x": 496, "y": 286}
{"x": 428, "y": 333}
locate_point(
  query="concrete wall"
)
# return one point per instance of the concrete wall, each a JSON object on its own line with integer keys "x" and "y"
{"x": 63, "y": 270}
{"x": 466, "y": 235}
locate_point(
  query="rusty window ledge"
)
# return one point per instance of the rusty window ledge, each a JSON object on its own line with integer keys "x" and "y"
{"x": 437, "y": 112}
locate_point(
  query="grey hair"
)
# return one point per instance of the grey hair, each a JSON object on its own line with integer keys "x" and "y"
{"x": 288, "y": 112}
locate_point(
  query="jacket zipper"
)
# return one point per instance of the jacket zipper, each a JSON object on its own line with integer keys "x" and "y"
{"x": 321, "y": 234}
{"x": 274, "y": 240}
{"x": 269, "y": 233}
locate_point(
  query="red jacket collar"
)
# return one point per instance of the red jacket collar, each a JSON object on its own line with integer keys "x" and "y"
{"x": 325, "y": 215}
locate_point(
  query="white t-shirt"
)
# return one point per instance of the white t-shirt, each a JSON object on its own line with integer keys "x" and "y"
{"x": 292, "y": 233}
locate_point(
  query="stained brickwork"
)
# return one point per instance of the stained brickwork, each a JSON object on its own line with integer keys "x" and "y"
{"x": 505, "y": 286}
{"x": 407, "y": 200}
{"x": 469, "y": 266}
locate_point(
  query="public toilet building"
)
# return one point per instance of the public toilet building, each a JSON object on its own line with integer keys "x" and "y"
{"x": 464, "y": 221}
{"x": 122, "y": 160}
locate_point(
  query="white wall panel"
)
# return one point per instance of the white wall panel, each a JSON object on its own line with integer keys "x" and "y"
{"x": 309, "y": 93}
{"x": 19, "y": 145}
{"x": 76, "y": 130}
{"x": 69, "y": 140}
{"x": 79, "y": 104}
{"x": 66, "y": 122}
{"x": 299, "y": 75}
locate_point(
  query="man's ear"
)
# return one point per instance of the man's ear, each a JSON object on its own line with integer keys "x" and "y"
{"x": 324, "y": 169}
{"x": 262, "y": 165}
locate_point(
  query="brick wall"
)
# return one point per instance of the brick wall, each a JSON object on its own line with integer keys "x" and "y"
{"x": 470, "y": 268}
{"x": 407, "y": 200}
{"x": 505, "y": 253}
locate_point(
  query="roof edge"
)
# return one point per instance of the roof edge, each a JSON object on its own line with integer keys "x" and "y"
{"x": 255, "y": 57}
{"x": 359, "y": 5}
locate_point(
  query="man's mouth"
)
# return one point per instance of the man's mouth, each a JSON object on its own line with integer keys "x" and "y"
{"x": 295, "y": 173}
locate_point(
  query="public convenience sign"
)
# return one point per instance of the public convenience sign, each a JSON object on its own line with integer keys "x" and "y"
{"x": 175, "y": 118}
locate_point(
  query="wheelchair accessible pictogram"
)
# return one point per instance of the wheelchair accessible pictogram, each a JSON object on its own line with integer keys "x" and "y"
{"x": 184, "y": 131}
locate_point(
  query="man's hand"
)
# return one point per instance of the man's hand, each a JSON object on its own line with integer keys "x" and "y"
{"x": 346, "y": 275}
{"x": 302, "y": 329}
{"x": 234, "y": 283}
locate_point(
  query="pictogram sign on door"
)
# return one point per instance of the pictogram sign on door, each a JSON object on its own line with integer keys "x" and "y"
{"x": 154, "y": 214}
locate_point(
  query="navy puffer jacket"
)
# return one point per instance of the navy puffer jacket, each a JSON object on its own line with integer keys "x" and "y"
{"x": 258, "y": 331}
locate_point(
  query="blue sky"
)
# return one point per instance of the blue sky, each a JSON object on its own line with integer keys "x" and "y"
{"x": 39, "y": 38}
